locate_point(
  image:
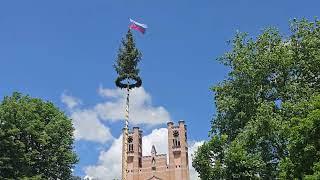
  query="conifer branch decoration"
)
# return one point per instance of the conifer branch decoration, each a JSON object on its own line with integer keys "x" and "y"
{"x": 127, "y": 64}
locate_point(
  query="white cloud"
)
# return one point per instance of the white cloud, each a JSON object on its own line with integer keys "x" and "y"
{"x": 70, "y": 101}
{"x": 141, "y": 109}
{"x": 158, "y": 138}
{"x": 109, "y": 163}
{"x": 88, "y": 121}
{"x": 89, "y": 127}
{"x": 193, "y": 146}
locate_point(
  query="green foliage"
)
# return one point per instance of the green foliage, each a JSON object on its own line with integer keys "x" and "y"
{"x": 128, "y": 57}
{"x": 316, "y": 174}
{"x": 127, "y": 64}
{"x": 209, "y": 158}
{"x": 303, "y": 142}
{"x": 35, "y": 140}
{"x": 259, "y": 146}
{"x": 267, "y": 107}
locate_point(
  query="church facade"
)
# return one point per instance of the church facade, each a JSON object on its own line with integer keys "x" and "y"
{"x": 156, "y": 166}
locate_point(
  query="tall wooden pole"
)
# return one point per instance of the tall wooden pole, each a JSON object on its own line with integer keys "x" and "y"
{"x": 125, "y": 139}
{"x": 127, "y": 70}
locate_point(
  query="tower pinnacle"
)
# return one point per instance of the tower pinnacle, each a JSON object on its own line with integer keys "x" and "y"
{"x": 153, "y": 150}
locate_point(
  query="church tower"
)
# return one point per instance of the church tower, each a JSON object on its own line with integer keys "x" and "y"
{"x": 134, "y": 153}
{"x": 156, "y": 166}
{"x": 178, "y": 151}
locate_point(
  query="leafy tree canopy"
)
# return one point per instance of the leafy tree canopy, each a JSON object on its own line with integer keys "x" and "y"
{"x": 35, "y": 140}
{"x": 267, "y": 112}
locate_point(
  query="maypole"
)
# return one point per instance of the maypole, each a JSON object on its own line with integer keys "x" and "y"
{"x": 128, "y": 78}
{"x": 125, "y": 138}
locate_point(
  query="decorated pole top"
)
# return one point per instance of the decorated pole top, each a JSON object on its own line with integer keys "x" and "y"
{"x": 126, "y": 64}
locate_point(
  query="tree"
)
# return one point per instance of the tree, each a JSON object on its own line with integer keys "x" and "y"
{"x": 303, "y": 142}
{"x": 209, "y": 159}
{"x": 128, "y": 57}
{"x": 127, "y": 63}
{"x": 36, "y": 140}
{"x": 269, "y": 78}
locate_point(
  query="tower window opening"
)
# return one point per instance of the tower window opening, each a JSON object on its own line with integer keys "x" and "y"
{"x": 130, "y": 147}
{"x": 176, "y": 139}
{"x": 186, "y": 136}
{"x": 187, "y": 158}
{"x": 130, "y": 144}
{"x": 153, "y": 162}
{"x": 140, "y": 163}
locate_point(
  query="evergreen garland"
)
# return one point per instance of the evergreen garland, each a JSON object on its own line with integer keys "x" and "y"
{"x": 127, "y": 64}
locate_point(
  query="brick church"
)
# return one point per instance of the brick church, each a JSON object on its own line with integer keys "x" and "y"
{"x": 156, "y": 167}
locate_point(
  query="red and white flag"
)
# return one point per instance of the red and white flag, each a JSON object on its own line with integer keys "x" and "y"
{"x": 138, "y": 26}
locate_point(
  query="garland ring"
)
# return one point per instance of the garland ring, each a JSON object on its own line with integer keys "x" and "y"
{"x": 134, "y": 77}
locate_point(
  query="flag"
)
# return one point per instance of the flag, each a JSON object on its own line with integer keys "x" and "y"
{"x": 138, "y": 26}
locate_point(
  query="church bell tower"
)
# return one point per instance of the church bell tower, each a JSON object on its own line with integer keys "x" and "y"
{"x": 178, "y": 151}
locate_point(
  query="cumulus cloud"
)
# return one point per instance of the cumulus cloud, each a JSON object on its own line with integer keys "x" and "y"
{"x": 141, "y": 109}
{"x": 88, "y": 127}
{"x": 158, "y": 138}
{"x": 70, "y": 101}
{"x": 193, "y": 146}
{"x": 109, "y": 163}
{"x": 88, "y": 122}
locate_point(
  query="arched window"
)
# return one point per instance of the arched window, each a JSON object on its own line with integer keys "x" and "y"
{"x": 176, "y": 139}
{"x": 140, "y": 144}
{"x": 130, "y": 144}
{"x": 140, "y": 163}
{"x": 153, "y": 164}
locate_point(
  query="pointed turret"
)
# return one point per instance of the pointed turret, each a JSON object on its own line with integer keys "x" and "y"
{"x": 153, "y": 150}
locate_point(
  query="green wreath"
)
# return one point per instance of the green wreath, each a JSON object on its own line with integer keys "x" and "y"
{"x": 126, "y": 64}
{"x": 136, "y": 78}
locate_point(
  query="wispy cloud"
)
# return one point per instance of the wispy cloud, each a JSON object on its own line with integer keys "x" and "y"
{"x": 70, "y": 101}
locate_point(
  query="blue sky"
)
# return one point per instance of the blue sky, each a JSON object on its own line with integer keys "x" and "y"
{"x": 56, "y": 49}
